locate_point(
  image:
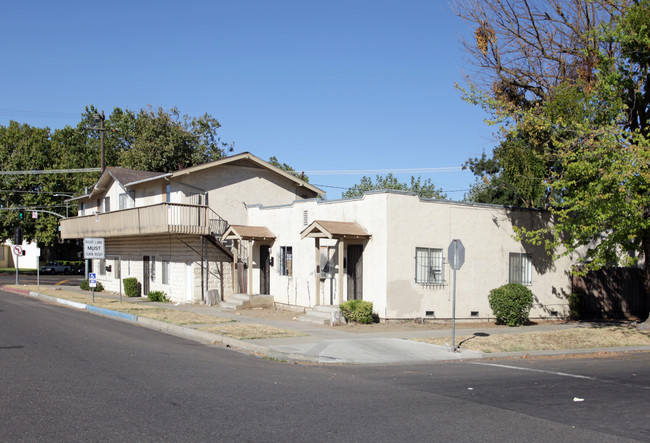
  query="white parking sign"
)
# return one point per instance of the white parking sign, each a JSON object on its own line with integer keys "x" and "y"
{"x": 92, "y": 279}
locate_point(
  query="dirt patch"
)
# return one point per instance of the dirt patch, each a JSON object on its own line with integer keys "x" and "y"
{"x": 177, "y": 317}
{"x": 578, "y": 338}
{"x": 270, "y": 313}
{"x": 243, "y": 331}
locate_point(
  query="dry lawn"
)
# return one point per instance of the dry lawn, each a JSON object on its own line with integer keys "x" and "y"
{"x": 141, "y": 309}
{"x": 578, "y": 338}
{"x": 244, "y": 331}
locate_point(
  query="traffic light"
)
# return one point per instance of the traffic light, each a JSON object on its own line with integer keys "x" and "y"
{"x": 21, "y": 214}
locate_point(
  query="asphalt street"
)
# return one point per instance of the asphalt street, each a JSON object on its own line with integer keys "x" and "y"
{"x": 66, "y": 375}
{"x": 44, "y": 279}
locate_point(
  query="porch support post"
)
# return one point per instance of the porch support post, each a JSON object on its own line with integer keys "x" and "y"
{"x": 235, "y": 257}
{"x": 250, "y": 267}
{"x": 317, "y": 273}
{"x": 341, "y": 245}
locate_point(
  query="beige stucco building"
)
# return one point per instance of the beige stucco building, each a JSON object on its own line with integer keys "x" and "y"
{"x": 241, "y": 225}
{"x": 394, "y": 249}
{"x": 165, "y": 228}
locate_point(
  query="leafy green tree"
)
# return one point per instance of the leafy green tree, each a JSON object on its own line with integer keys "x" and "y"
{"x": 155, "y": 140}
{"x": 583, "y": 110}
{"x": 424, "y": 189}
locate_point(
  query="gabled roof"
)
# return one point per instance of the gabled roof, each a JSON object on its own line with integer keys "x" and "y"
{"x": 241, "y": 232}
{"x": 334, "y": 229}
{"x": 126, "y": 177}
{"x": 248, "y": 159}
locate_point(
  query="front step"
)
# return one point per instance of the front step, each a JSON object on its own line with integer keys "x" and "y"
{"x": 247, "y": 301}
{"x": 321, "y": 315}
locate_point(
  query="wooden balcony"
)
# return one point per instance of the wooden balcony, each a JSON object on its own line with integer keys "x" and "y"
{"x": 163, "y": 218}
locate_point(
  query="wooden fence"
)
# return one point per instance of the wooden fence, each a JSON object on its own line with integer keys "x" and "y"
{"x": 612, "y": 293}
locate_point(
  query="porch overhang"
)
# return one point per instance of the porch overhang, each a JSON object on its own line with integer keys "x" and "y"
{"x": 242, "y": 232}
{"x": 334, "y": 230}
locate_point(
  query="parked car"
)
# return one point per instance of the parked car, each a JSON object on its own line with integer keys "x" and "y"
{"x": 55, "y": 267}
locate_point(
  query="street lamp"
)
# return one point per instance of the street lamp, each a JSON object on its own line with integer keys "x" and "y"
{"x": 66, "y": 203}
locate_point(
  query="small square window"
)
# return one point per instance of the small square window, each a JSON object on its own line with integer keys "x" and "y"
{"x": 521, "y": 268}
{"x": 428, "y": 266}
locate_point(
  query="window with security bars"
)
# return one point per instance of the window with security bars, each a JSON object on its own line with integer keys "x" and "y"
{"x": 428, "y": 266}
{"x": 521, "y": 268}
{"x": 286, "y": 260}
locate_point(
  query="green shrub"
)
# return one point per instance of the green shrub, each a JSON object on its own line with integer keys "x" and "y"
{"x": 158, "y": 296}
{"x": 358, "y": 311}
{"x": 575, "y": 306}
{"x": 511, "y": 304}
{"x": 85, "y": 285}
{"x": 132, "y": 288}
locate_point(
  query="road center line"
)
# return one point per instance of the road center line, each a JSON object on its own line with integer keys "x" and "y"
{"x": 563, "y": 374}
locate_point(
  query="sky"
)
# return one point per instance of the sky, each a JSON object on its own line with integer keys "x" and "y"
{"x": 326, "y": 86}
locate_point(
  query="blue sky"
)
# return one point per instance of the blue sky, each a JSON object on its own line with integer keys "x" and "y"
{"x": 323, "y": 85}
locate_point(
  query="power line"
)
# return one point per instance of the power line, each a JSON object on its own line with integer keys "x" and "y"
{"x": 385, "y": 171}
{"x": 38, "y": 114}
{"x": 18, "y": 191}
{"x": 50, "y": 171}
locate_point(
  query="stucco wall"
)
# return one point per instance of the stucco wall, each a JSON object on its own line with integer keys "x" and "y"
{"x": 400, "y": 222}
{"x": 488, "y": 238}
{"x": 232, "y": 187}
{"x": 287, "y": 222}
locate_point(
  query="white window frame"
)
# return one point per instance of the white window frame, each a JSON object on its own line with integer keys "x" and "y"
{"x": 127, "y": 200}
{"x": 286, "y": 260}
{"x": 520, "y": 268}
{"x": 429, "y": 266}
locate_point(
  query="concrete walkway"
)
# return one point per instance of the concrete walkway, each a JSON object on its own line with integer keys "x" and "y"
{"x": 319, "y": 344}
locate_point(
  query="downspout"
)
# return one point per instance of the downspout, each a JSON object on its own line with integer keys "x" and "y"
{"x": 202, "y": 258}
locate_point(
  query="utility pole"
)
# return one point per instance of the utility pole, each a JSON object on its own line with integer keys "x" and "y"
{"x": 101, "y": 130}
{"x": 101, "y": 138}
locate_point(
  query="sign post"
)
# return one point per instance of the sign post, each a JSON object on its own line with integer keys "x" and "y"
{"x": 93, "y": 248}
{"x": 92, "y": 282}
{"x": 456, "y": 256}
{"x": 18, "y": 251}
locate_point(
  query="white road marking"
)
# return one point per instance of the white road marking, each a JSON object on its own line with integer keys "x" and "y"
{"x": 563, "y": 374}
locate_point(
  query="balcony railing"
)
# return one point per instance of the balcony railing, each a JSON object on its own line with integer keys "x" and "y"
{"x": 163, "y": 218}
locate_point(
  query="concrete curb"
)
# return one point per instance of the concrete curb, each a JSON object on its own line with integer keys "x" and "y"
{"x": 264, "y": 351}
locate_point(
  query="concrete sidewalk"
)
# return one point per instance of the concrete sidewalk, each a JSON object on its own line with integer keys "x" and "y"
{"x": 318, "y": 344}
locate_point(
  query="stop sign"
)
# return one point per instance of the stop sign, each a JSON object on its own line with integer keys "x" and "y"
{"x": 456, "y": 254}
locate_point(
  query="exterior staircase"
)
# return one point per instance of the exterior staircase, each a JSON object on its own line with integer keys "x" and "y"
{"x": 322, "y": 315}
{"x": 245, "y": 301}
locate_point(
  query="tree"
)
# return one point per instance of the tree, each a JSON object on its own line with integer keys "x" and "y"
{"x": 568, "y": 81}
{"x": 156, "y": 140}
{"x": 424, "y": 189}
{"x": 523, "y": 51}
{"x": 148, "y": 140}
